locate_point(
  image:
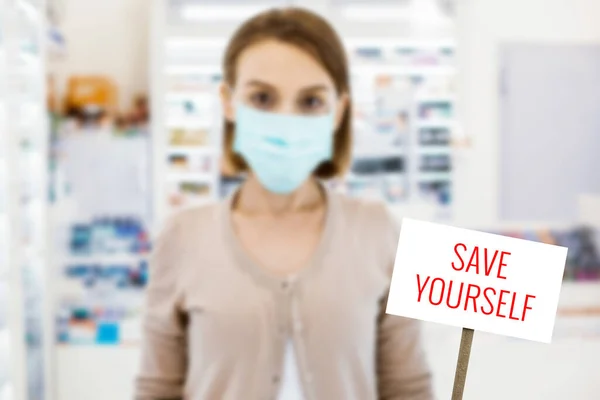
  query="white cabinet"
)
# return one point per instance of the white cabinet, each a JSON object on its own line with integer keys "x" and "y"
{"x": 23, "y": 194}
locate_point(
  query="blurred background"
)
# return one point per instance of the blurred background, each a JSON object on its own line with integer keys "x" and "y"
{"x": 482, "y": 114}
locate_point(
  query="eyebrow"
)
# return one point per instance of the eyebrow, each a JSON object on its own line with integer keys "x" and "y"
{"x": 259, "y": 83}
{"x": 314, "y": 88}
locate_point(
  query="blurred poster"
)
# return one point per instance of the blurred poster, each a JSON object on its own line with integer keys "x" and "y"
{"x": 108, "y": 175}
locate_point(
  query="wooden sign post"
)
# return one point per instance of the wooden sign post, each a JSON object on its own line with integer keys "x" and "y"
{"x": 462, "y": 365}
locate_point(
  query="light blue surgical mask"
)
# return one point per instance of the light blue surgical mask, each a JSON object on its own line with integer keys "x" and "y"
{"x": 282, "y": 150}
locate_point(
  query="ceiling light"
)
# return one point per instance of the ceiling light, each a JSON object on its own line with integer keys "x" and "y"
{"x": 195, "y": 12}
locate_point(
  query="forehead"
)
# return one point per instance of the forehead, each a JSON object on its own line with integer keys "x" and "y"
{"x": 282, "y": 65}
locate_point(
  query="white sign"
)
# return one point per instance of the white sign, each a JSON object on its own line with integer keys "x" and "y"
{"x": 476, "y": 280}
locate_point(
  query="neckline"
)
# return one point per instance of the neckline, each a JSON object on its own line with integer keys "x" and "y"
{"x": 263, "y": 275}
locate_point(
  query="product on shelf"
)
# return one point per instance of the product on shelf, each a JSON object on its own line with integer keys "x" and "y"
{"x": 435, "y": 163}
{"x": 403, "y": 55}
{"x": 192, "y": 82}
{"x": 437, "y": 191}
{"x": 368, "y": 54}
{"x": 196, "y": 107}
{"x": 189, "y": 193}
{"x": 377, "y": 166}
{"x": 434, "y": 136}
{"x": 189, "y": 137}
{"x": 109, "y": 235}
{"x": 583, "y": 258}
{"x": 119, "y": 274}
{"x": 186, "y": 162}
{"x": 435, "y": 110}
{"x": 85, "y": 91}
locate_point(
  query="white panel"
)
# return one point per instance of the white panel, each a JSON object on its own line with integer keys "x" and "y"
{"x": 96, "y": 372}
{"x": 549, "y": 129}
{"x": 589, "y": 210}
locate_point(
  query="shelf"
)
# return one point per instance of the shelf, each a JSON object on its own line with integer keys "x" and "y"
{"x": 433, "y": 176}
{"x": 194, "y": 70}
{"x": 104, "y": 259}
{"x": 187, "y": 42}
{"x": 390, "y": 13}
{"x": 182, "y": 96}
{"x": 574, "y": 295}
{"x": 216, "y": 13}
{"x": 350, "y": 177}
{"x": 197, "y": 150}
{"x": 388, "y": 43}
{"x": 187, "y": 122}
{"x": 426, "y": 150}
{"x": 195, "y": 203}
{"x": 435, "y": 123}
{"x": 403, "y": 70}
{"x": 191, "y": 177}
{"x": 432, "y": 98}
{"x": 367, "y": 153}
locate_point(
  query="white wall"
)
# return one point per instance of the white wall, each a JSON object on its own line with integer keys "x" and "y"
{"x": 107, "y": 37}
{"x": 482, "y": 26}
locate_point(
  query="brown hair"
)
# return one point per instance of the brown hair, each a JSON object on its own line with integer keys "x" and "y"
{"x": 313, "y": 34}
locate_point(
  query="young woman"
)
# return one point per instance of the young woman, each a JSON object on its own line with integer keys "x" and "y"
{"x": 279, "y": 292}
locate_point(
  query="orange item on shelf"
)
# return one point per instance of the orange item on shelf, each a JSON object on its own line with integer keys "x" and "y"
{"x": 84, "y": 91}
{"x": 189, "y": 137}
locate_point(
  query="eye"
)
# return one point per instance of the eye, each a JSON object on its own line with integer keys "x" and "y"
{"x": 311, "y": 103}
{"x": 262, "y": 99}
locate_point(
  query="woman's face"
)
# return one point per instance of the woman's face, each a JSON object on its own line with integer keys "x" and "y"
{"x": 277, "y": 77}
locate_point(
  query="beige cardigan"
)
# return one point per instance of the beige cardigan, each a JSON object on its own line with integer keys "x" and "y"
{"x": 216, "y": 323}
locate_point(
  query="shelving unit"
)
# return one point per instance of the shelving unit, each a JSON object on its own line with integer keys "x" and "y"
{"x": 404, "y": 91}
{"x": 24, "y": 311}
{"x": 188, "y": 148}
{"x": 11, "y": 371}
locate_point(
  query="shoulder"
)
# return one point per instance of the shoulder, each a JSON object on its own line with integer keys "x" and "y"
{"x": 181, "y": 238}
{"x": 373, "y": 217}
{"x": 187, "y": 227}
{"x": 373, "y": 222}
{"x": 195, "y": 218}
